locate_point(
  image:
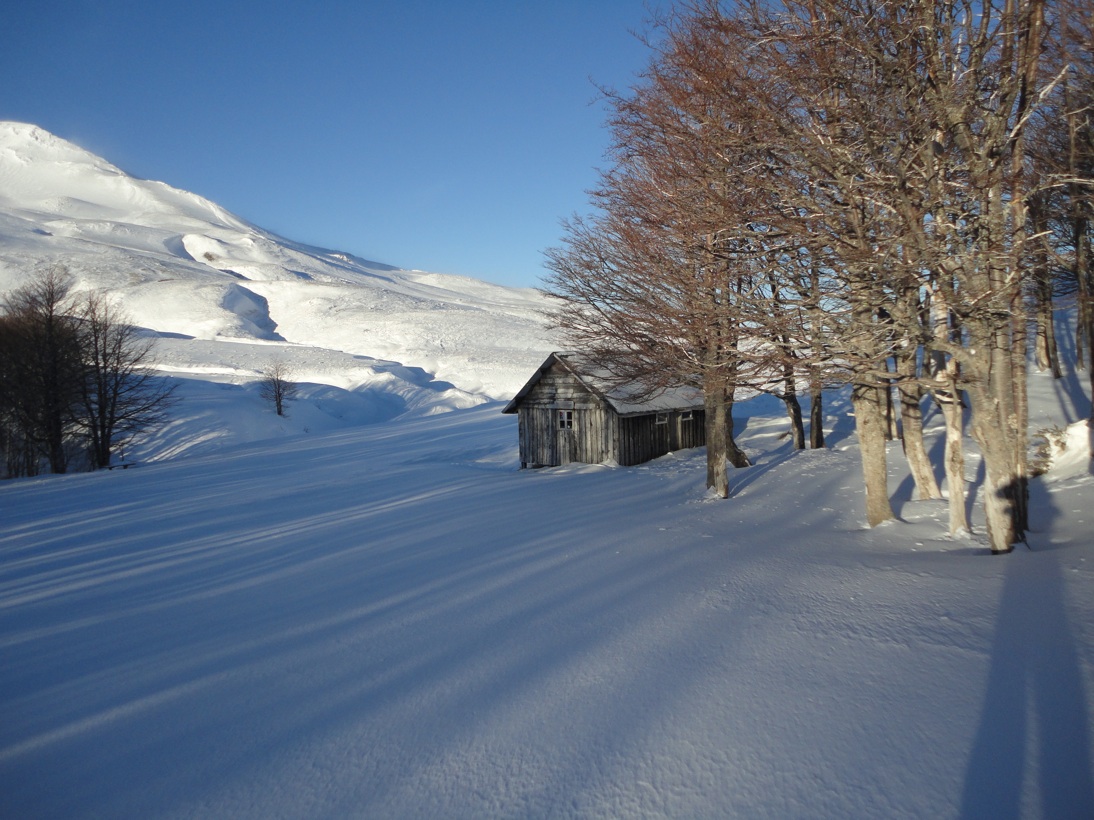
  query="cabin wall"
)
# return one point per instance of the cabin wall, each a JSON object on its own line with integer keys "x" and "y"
{"x": 543, "y": 443}
{"x": 641, "y": 438}
{"x": 596, "y": 434}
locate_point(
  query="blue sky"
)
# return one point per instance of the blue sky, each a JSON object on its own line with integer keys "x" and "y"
{"x": 445, "y": 135}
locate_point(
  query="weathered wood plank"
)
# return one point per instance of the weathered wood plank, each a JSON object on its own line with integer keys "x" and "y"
{"x": 596, "y": 433}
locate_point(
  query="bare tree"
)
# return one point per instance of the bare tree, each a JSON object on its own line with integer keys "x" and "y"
{"x": 121, "y": 395}
{"x": 74, "y": 377}
{"x": 981, "y": 83}
{"x": 277, "y": 386}
{"x": 825, "y": 187}
{"x": 42, "y": 370}
{"x": 21, "y": 453}
{"x": 899, "y": 137}
{"x": 1062, "y": 211}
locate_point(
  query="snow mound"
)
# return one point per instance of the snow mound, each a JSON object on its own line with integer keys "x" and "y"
{"x": 1070, "y": 451}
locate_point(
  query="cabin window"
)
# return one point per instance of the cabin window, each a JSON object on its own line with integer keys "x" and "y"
{"x": 662, "y": 418}
{"x": 565, "y": 419}
{"x": 686, "y": 416}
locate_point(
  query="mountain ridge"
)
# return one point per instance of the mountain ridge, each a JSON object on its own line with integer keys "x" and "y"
{"x": 185, "y": 269}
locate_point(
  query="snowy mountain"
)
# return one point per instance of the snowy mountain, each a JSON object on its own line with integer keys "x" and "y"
{"x": 224, "y": 297}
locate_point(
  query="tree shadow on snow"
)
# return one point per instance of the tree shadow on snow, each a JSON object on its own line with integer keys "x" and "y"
{"x": 1069, "y": 389}
{"x": 1035, "y": 695}
{"x": 741, "y": 478}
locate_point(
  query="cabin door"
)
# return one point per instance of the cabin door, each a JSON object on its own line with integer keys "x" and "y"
{"x": 567, "y": 446}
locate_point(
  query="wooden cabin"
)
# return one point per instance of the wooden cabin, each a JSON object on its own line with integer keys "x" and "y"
{"x": 569, "y": 412}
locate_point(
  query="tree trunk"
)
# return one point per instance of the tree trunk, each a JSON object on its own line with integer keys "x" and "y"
{"x": 716, "y": 429}
{"x": 1020, "y": 411}
{"x": 734, "y": 454}
{"x": 722, "y": 449}
{"x": 1082, "y": 333}
{"x": 1001, "y": 487}
{"x": 949, "y": 400}
{"x": 1085, "y": 332}
{"x": 911, "y": 418}
{"x": 868, "y": 399}
{"x": 55, "y": 450}
{"x": 1045, "y": 348}
{"x": 793, "y": 408}
{"x": 816, "y": 418}
{"x": 1046, "y": 351}
{"x": 990, "y": 391}
{"x": 892, "y": 432}
{"x": 946, "y": 371}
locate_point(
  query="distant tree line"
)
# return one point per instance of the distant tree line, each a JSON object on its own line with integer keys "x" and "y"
{"x": 886, "y": 195}
{"x": 75, "y": 382}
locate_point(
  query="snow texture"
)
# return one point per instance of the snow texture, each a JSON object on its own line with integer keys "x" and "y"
{"x": 384, "y": 617}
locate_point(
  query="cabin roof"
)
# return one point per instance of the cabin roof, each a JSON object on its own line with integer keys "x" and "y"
{"x": 625, "y": 400}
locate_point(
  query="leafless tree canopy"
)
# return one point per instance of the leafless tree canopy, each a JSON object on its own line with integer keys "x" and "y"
{"x": 74, "y": 378}
{"x": 841, "y": 190}
{"x": 121, "y": 397}
{"x": 40, "y": 374}
{"x": 277, "y": 386}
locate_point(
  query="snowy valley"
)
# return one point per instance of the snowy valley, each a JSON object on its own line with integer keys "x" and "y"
{"x": 368, "y": 610}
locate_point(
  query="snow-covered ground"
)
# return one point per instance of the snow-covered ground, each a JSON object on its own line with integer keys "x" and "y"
{"x": 368, "y": 610}
{"x": 395, "y": 621}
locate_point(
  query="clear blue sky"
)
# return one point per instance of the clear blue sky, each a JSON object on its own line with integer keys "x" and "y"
{"x": 445, "y": 135}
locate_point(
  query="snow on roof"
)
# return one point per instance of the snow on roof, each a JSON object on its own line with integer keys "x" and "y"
{"x": 626, "y": 400}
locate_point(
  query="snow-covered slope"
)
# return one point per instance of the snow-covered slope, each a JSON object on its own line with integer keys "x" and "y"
{"x": 186, "y": 269}
{"x": 395, "y": 621}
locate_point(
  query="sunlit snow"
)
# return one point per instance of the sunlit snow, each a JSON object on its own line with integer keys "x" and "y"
{"x": 368, "y": 610}
{"x": 186, "y": 269}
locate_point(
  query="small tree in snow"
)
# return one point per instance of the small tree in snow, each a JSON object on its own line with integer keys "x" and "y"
{"x": 277, "y": 386}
